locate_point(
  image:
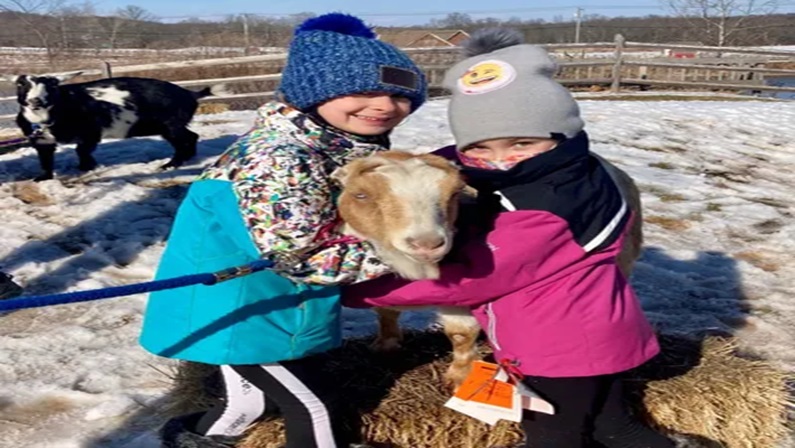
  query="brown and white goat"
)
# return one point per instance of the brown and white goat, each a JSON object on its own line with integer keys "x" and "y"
{"x": 406, "y": 206}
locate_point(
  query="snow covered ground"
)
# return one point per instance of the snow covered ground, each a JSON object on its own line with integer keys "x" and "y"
{"x": 718, "y": 201}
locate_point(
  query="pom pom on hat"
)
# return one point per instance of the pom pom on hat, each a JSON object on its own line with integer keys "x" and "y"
{"x": 337, "y": 22}
{"x": 491, "y": 39}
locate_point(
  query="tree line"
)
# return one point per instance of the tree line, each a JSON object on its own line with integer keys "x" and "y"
{"x": 57, "y": 26}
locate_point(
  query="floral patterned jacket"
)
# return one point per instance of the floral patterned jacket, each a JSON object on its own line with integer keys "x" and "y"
{"x": 281, "y": 174}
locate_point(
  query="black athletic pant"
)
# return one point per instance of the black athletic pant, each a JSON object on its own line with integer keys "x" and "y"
{"x": 300, "y": 391}
{"x": 589, "y": 412}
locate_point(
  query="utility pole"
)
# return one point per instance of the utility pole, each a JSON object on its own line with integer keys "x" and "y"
{"x": 246, "y": 37}
{"x": 64, "y": 38}
{"x": 578, "y": 17}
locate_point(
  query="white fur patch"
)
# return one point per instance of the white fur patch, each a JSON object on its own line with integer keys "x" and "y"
{"x": 121, "y": 125}
{"x": 37, "y": 90}
{"x": 36, "y": 116}
{"x": 418, "y": 184}
{"x": 109, "y": 94}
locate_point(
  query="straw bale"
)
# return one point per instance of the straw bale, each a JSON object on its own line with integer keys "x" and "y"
{"x": 700, "y": 388}
{"x": 212, "y": 108}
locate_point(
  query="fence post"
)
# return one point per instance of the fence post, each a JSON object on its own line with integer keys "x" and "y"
{"x": 616, "y": 85}
{"x": 106, "y": 70}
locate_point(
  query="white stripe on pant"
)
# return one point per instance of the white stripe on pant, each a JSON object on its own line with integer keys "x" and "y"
{"x": 244, "y": 405}
{"x": 321, "y": 423}
{"x": 299, "y": 390}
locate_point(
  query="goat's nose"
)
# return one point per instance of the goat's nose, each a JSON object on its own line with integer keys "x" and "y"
{"x": 35, "y": 102}
{"x": 426, "y": 242}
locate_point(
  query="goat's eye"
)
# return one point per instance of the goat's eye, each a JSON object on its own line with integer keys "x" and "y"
{"x": 361, "y": 196}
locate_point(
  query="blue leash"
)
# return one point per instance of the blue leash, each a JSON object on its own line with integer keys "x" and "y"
{"x": 118, "y": 291}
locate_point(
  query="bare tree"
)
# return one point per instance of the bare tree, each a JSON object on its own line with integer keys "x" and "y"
{"x": 721, "y": 19}
{"x": 114, "y": 25}
{"x": 136, "y": 13}
{"x": 454, "y": 20}
{"x": 77, "y": 24}
{"x": 293, "y": 20}
{"x": 37, "y": 16}
{"x": 111, "y": 26}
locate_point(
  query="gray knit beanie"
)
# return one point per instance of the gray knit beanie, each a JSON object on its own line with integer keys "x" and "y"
{"x": 505, "y": 89}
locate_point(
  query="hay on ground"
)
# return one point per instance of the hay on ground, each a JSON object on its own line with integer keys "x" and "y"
{"x": 212, "y": 108}
{"x": 698, "y": 388}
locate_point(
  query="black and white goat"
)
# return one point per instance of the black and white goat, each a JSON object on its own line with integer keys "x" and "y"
{"x": 86, "y": 113}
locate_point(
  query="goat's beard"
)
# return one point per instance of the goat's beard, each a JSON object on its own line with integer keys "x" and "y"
{"x": 403, "y": 264}
{"x": 406, "y": 266}
{"x": 412, "y": 267}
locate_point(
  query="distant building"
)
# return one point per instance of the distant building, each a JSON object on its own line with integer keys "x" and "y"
{"x": 422, "y": 38}
{"x": 683, "y": 54}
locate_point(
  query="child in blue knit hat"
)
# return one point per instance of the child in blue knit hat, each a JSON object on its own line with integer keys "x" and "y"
{"x": 270, "y": 195}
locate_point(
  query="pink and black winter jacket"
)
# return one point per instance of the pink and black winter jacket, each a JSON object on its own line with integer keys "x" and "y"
{"x": 543, "y": 282}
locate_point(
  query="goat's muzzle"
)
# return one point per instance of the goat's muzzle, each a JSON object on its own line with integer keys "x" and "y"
{"x": 430, "y": 247}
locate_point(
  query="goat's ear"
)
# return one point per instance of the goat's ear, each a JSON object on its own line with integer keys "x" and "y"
{"x": 439, "y": 161}
{"x": 358, "y": 167}
{"x": 340, "y": 175}
{"x": 9, "y": 78}
{"x": 62, "y": 77}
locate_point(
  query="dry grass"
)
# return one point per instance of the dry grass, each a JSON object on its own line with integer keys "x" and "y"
{"x": 212, "y": 108}
{"x": 667, "y": 223}
{"x": 35, "y": 412}
{"x": 759, "y": 260}
{"x": 699, "y": 388}
{"x": 672, "y": 197}
{"x": 652, "y": 189}
{"x": 733, "y": 400}
{"x": 662, "y": 165}
{"x": 776, "y": 203}
{"x": 768, "y": 226}
{"x": 29, "y": 193}
{"x": 740, "y": 175}
{"x": 213, "y": 122}
{"x": 9, "y": 133}
{"x": 666, "y": 148}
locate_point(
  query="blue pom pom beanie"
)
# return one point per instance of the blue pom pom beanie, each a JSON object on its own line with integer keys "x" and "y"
{"x": 337, "y": 54}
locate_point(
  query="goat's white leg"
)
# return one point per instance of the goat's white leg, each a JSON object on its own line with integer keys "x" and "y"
{"x": 462, "y": 329}
{"x": 389, "y": 334}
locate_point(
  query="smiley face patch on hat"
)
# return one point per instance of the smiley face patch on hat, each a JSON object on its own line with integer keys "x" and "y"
{"x": 486, "y": 76}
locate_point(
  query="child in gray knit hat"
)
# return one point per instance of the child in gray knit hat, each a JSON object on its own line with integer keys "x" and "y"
{"x": 505, "y": 105}
{"x": 541, "y": 274}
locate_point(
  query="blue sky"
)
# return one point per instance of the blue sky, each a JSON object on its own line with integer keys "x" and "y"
{"x": 396, "y": 13}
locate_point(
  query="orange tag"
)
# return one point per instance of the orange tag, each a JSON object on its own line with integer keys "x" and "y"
{"x": 481, "y": 386}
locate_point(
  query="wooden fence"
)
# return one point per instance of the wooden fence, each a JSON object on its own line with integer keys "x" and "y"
{"x": 623, "y": 68}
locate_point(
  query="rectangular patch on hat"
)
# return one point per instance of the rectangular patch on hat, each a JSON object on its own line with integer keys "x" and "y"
{"x": 400, "y": 77}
